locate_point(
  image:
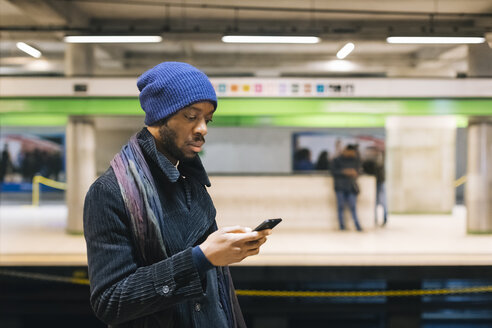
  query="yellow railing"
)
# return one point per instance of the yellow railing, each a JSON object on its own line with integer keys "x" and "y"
{"x": 37, "y": 180}
{"x": 79, "y": 278}
{"x": 460, "y": 181}
{"x": 375, "y": 293}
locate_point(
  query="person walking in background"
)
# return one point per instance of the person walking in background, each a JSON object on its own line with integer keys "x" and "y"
{"x": 345, "y": 170}
{"x": 155, "y": 255}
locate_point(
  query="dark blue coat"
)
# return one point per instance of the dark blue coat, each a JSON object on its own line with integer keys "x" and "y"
{"x": 125, "y": 292}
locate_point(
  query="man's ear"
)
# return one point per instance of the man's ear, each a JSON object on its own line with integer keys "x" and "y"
{"x": 154, "y": 130}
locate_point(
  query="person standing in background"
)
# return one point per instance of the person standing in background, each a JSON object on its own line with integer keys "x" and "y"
{"x": 323, "y": 162}
{"x": 5, "y": 163}
{"x": 345, "y": 170}
{"x": 302, "y": 160}
{"x": 374, "y": 165}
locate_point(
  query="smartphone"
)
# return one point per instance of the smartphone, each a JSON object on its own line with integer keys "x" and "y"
{"x": 268, "y": 224}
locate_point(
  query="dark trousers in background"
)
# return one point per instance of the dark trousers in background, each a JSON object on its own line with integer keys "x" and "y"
{"x": 349, "y": 198}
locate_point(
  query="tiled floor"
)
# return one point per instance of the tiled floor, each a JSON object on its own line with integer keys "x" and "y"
{"x": 405, "y": 240}
{"x": 36, "y": 235}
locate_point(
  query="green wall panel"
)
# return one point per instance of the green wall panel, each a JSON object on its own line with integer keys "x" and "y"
{"x": 33, "y": 119}
{"x": 308, "y": 112}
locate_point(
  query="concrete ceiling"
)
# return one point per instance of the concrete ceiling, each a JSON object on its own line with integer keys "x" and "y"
{"x": 192, "y": 32}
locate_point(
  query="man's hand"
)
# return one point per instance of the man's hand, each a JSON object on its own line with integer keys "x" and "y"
{"x": 233, "y": 244}
{"x": 350, "y": 173}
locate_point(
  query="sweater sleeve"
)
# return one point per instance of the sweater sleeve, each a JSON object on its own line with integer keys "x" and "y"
{"x": 336, "y": 169}
{"x": 121, "y": 290}
{"x": 201, "y": 262}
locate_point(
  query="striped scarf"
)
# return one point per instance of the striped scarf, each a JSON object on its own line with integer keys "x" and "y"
{"x": 141, "y": 200}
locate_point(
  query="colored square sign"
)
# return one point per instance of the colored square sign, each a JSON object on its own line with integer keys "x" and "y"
{"x": 282, "y": 88}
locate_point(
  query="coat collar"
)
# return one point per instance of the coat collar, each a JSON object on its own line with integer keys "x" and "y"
{"x": 194, "y": 167}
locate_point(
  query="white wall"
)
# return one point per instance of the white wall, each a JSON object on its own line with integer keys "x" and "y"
{"x": 251, "y": 150}
{"x": 302, "y": 201}
{"x": 111, "y": 134}
{"x": 420, "y": 164}
{"x": 259, "y": 149}
{"x": 359, "y": 87}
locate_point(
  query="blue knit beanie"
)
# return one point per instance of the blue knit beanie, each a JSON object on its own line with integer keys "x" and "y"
{"x": 171, "y": 86}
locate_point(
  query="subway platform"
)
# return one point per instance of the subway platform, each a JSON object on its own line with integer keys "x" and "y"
{"x": 36, "y": 236}
{"x": 411, "y": 253}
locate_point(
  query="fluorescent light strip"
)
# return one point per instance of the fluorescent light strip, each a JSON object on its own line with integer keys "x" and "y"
{"x": 269, "y": 39}
{"x": 28, "y": 49}
{"x": 113, "y": 39}
{"x": 434, "y": 40}
{"x": 345, "y": 51}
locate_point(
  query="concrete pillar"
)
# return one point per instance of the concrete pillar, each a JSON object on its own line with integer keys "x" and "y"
{"x": 420, "y": 164}
{"x": 479, "y": 60}
{"x": 79, "y": 59}
{"x": 478, "y": 189}
{"x": 81, "y": 168}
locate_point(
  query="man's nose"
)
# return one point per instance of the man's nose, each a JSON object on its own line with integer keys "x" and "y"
{"x": 201, "y": 127}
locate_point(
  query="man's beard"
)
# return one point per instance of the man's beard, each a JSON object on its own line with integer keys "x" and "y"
{"x": 168, "y": 142}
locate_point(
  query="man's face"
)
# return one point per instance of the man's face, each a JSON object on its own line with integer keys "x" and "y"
{"x": 182, "y": 137}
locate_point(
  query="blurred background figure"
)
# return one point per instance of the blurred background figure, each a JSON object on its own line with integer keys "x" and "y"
{"x": 302, "y": 160}
{"x": 30, "y": 154}
{"x": 345, "y": 170}
{"x": 374, "y": 165}
{"x": 323, "y": 162}
{"x": 5, "y": 163}
{"x": 338, "y": 147}
{"x": 55, "y": 163}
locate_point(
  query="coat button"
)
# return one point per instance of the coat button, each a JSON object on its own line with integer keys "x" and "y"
{"x": 198, "y": 307}
{"x": 165, "y": 289}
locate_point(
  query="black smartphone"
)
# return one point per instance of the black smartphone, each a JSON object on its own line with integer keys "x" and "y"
{"x": 268, "y": 224}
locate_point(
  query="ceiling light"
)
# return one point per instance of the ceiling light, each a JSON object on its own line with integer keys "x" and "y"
{"x": 434, "y": 40}
{"x": 28, "y": 49}
{"x": 113, "y": 39}
{"x": 269, "y": 39}
{"x": 340, "y": 65}
{"x": 345, "y": 51}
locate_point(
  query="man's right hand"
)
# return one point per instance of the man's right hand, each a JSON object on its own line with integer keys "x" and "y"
{"x": 350, "y": 173}
{"x": 233, "y": 244}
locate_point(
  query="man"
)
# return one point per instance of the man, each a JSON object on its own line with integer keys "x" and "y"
{"x": 345, "y": 170}
{"x": 155, "y": 256}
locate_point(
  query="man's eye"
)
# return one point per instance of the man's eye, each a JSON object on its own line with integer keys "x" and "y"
{"x": 191, "y": 118}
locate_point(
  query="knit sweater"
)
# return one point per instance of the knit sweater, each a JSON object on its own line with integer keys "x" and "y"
{"x": 174, "y": 292}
